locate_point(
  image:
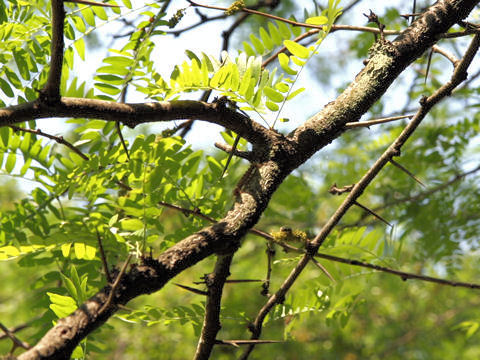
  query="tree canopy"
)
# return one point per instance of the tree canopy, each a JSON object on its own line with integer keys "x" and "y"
{"x": 344, "y": 230}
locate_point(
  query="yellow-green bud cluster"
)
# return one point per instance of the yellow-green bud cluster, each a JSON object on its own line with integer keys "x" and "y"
{"x": 288, "y": 235}
{"x": 175, "y": 19}
{"x": 235, "y": 7}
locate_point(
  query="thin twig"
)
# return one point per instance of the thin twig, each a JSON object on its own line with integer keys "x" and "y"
{"x": 371, "y": 212}
{"x": 414, "y": 10}
{"x": 104, "y": 258}
{"x": 236, "y": 343}
{"x": 204, "y": 19}
{"x": 296, "y": 23}
{"x": 122, "y": 140}
{"x": 92, "y": 3}
{"x": 403, "y": 274}
{"x": 323, "y": 269}
{"x": 369, "y": 123}
{"x": 228, "y": 33}
{"x": 234, "y": 281}
{"x": 115, "y": 285}
{"x": 459, "y": 34}
{"x": 18, "y": 328}
{"x": 16, "y": 341}
{"x": 193, "y": 26}
{"x": 232, "y": 150}
{"x": 406, "y": 171}
{"x": 270, "y": 250}
{"x": 447, "y": 54}
{"x": 191, "y": 289}
{"x": 58, "y": 139}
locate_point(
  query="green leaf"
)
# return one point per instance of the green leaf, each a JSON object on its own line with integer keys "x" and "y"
{"x": 100, "y": 12}
{"x": 20, "y": 56}
{"x": 156, "y": 178}
{"x": 79, "y": 250}
{"x": 66, "y": 249}
{"x": 69, "y": 286}
{"x": 79, "y": 24}
{"x": 61, "y": 305}
{"x": 25, "y": 167}
{"x": 88, "y": 15}
{"x": 5, "y": 86}
{"x": 5, "y": 133}
{"x": 69, "y": 56}
{"x": 297, "y": 49}
{"x": 112, "y": 69}
{"x": 10, "y": 164}
{"x": 274, "y": 34}
{"x": 120, "y": 61}
{"x": 317, "y": 20}
{"x": 131, "y": 224}
{"x": 282, "y": 87}
{"x": 248, "y": 49}
{"x": 25, "y": 144}
{"x": 108, "y": 89}
{"x": 284, "y": 30}
{"x": 80, "y": 47}
{"x": 272, "y": 94}
{"x": 267, "y": 41}
{"x": 90, "y": 252}
{"x": 12, "y": 77}
{"x": 271, "y": 105}
{"x": 257, "y": 44}
{"x": 295, "y": 93}
{"x": 284, "y": 60}
{"x": 297, "y": 61}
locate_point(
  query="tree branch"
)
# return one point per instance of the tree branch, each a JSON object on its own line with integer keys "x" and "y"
{"x": 135, "y": 114}
{"x": 51, "y": 92}
{"x": 58, "y": 139}
{"x": 211, "y": 322}
{"x": 16, "y": 341}
{"x": 376, "y": 121}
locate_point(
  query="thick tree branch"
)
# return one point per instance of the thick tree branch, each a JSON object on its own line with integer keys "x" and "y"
{"x": 51, "y": 91}
{"x": 211, "y": 322}
{"x": 135, "y": 114}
